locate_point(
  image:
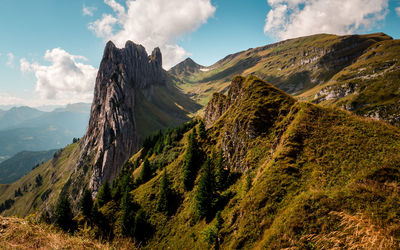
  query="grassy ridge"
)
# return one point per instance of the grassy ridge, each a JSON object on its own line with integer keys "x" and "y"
{"x": 306, "y": 174}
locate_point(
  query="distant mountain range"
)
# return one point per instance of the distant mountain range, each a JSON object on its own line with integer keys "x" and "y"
{"x": 21, "y": 163}
{"x": 29, "y": 129}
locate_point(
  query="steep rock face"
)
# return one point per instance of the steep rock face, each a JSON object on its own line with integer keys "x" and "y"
{"x": 112, "y": 136}
{"x": 217, "y": 106}
{"x": 219, "y": 103}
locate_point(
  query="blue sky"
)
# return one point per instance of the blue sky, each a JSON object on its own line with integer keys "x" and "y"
{"x": 205, "y": 30}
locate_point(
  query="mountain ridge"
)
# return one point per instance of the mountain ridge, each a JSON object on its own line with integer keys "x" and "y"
{"x": 300, "y": 66}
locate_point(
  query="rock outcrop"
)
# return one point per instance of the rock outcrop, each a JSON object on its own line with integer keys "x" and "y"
{"x": 220, "y": 103}
{"x": 112, "y": 136}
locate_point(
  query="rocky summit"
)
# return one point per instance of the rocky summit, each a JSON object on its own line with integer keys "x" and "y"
{"x": 112, "y": 136}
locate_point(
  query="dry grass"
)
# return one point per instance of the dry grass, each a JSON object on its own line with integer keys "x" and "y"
{"x": 21, "y": 234}
{"x": 357, "y": 232}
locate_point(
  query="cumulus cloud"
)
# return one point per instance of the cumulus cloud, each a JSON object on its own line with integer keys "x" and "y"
{"x": 154, "y": 23}
{"x": 88, "y": 11}
{"x": 66, "y": 79}
{"x": 10, "y": 60}
{"x": 398, "y": 11}
{"x": 294, "y": 18}
{"x": 103, "y": 27}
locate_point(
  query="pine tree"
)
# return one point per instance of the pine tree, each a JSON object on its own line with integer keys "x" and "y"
{"x": 202, "y": 130}
{"x": 190, "y": 162}
{"x": 141, "y": 227}
{"x": 145, "y": 173}
{"x": 104, "y": 194}
{"x": 206, "y": 190}
{"x": 163, "y": 204}
{"x": 218, "y": 221}
{"x": 128, "y": 214}
{"x": 63, "y": 214}
{"x": 86, "y": 203}
{"x": 221, "y": 174}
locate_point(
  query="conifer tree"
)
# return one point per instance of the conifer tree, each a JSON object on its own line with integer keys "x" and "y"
{"x": 128, "y": 214}
{"x": 141, "y": 227}
{"x": 86, "y": 203}
{"x": 221, "y": 174}
{"x": 190, "y": 162}
{"x": 63, "y": 214}
{"x": 163, "y": 204}
{"x": 202, "y": 129}
{"x": 145, "y": 173}
{"x": 206, "y": 190}
{"x": 104, "y": 194}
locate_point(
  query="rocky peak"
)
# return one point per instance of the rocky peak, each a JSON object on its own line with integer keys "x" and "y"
{"x": 186, "y": 67}
{"x": 111, "y": 136}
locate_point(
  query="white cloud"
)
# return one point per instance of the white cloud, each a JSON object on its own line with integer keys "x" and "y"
{"x": 88, "y": 11}
{"x": 294, "y": 18}
{"x": 103, "y": 27}
{"x": 10, "y": 60}
{"x": 398, "y": 11}
{"x": 25, "y": 66}
{"x": 154, "y": 23}
{"x": 7, "y": 99}
{"x": 65, "y": 80}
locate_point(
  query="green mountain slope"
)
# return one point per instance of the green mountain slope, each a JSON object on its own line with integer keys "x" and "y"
{"x": 41, "y": 187}
{"x": 21, "y": 163}
{"x": 309, "y": 167}
{"x": 368, "y": 87}
{"x": 318, "y": 68}
{"x": 281, "y": 174}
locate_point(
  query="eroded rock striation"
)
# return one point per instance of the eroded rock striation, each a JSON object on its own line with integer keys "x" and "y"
{"x": 112, "y": 136}
{"x": 220, "y": 103}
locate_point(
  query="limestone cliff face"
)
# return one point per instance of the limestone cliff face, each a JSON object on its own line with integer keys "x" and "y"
{"x": 111, "y": 136}
{"x": 220, "y": 103}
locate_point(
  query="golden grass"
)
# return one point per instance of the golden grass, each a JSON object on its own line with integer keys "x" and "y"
{"x": 22, "y": 234}
{"x": 357, "y": 232}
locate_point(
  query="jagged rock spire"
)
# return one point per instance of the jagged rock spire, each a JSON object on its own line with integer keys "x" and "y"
{"x": 111, "y": 136}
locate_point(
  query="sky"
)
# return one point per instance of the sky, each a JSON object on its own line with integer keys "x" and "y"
{"x": 50, "y": 50}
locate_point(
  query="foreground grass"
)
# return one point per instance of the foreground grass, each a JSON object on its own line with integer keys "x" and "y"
{"x": 22, "y": 234}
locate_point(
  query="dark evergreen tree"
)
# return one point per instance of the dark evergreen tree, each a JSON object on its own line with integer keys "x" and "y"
{"x": 249, "y": 181}
{"x": 221, "y": 174}
{"x": 141, "y": 230}
{"x": 218, "y": 221}
{"x": 17, "y": 192}
{"x": 63, "y": 214}
{"x": 163, "y": 204}
{"x": 104, "y": 194}
{"x": 190, "y": 162}
{"x": 202, "y": 130}
{"x": 39, "y": 180}
{"x": 128, "y": 214}
{"x": 145, "y": 173}
{"x": 206, "y": 190}
{"x": 86, "y": 203}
